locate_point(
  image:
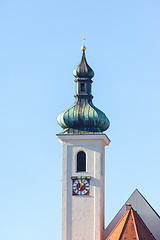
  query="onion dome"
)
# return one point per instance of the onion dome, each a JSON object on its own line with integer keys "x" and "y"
{"x": 83, "y": 70}
{"x": 83, "y": 117}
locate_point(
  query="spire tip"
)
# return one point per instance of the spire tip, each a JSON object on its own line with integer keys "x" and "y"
{"x": 83, "y": 48}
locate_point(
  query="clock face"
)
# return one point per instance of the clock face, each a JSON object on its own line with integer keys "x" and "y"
{"x": 80, "y": 186}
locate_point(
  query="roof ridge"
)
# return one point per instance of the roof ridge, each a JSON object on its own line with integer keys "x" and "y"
{"x": 144, "y": 225}
{"x": 147, "y": 202}
{"x": 126, "y": 213}
{"x": 134, "y": 222}
{"x": 129, "y": 212}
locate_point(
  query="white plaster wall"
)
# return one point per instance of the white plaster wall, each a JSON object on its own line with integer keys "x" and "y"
{"x": 83, "y": 216}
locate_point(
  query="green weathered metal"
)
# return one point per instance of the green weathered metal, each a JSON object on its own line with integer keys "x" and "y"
{"x": 83, "y": 117}
{"x": 83, "y": 70}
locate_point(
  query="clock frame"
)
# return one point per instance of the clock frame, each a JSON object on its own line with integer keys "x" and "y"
{"x": 80, "y": 186}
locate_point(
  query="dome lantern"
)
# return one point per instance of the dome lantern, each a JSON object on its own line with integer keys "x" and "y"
{"x": 83, "y": 117}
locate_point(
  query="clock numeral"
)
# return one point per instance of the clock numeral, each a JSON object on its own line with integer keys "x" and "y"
{"x": 80, "y": 186}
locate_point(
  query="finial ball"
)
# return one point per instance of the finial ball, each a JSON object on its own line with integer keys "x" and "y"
{"x": 83, "y": 48}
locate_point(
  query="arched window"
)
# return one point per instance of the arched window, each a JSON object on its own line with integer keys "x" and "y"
{"x": 81, "y": 162}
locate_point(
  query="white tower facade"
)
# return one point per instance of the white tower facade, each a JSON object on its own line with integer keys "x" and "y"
{"x": 83, "y": 162}
{"x": 83, "y": 215}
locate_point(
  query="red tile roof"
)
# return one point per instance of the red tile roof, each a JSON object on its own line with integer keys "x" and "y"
{"x": 131, "y": 227}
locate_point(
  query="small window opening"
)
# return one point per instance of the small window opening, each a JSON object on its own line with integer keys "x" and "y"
{"x": 81, "y": 162}
{"x": 82, "y": 87}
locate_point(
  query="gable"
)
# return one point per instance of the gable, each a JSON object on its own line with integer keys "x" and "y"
{"x": 131, "y": 226}
{"x": 145, "y": 211}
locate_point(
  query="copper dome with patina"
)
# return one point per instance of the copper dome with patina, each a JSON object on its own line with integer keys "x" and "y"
{"x": 83, "y": 117}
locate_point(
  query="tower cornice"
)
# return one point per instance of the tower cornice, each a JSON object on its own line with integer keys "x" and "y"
{"x": 69, "y": 137}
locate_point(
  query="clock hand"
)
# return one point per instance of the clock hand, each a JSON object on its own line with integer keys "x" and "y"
{"x": 81, "y": 185}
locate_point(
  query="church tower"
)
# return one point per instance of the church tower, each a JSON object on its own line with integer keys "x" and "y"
{"x": 83, "y": 161}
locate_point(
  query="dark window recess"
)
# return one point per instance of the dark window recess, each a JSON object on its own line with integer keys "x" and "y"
{"x": 81, "y": 162}
{"x": 82, "y": 87}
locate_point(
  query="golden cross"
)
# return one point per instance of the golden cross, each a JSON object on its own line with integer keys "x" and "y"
{"x": 83, "y": 38}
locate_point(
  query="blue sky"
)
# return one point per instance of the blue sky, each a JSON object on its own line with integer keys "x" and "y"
{"x": 39, "y": 48}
